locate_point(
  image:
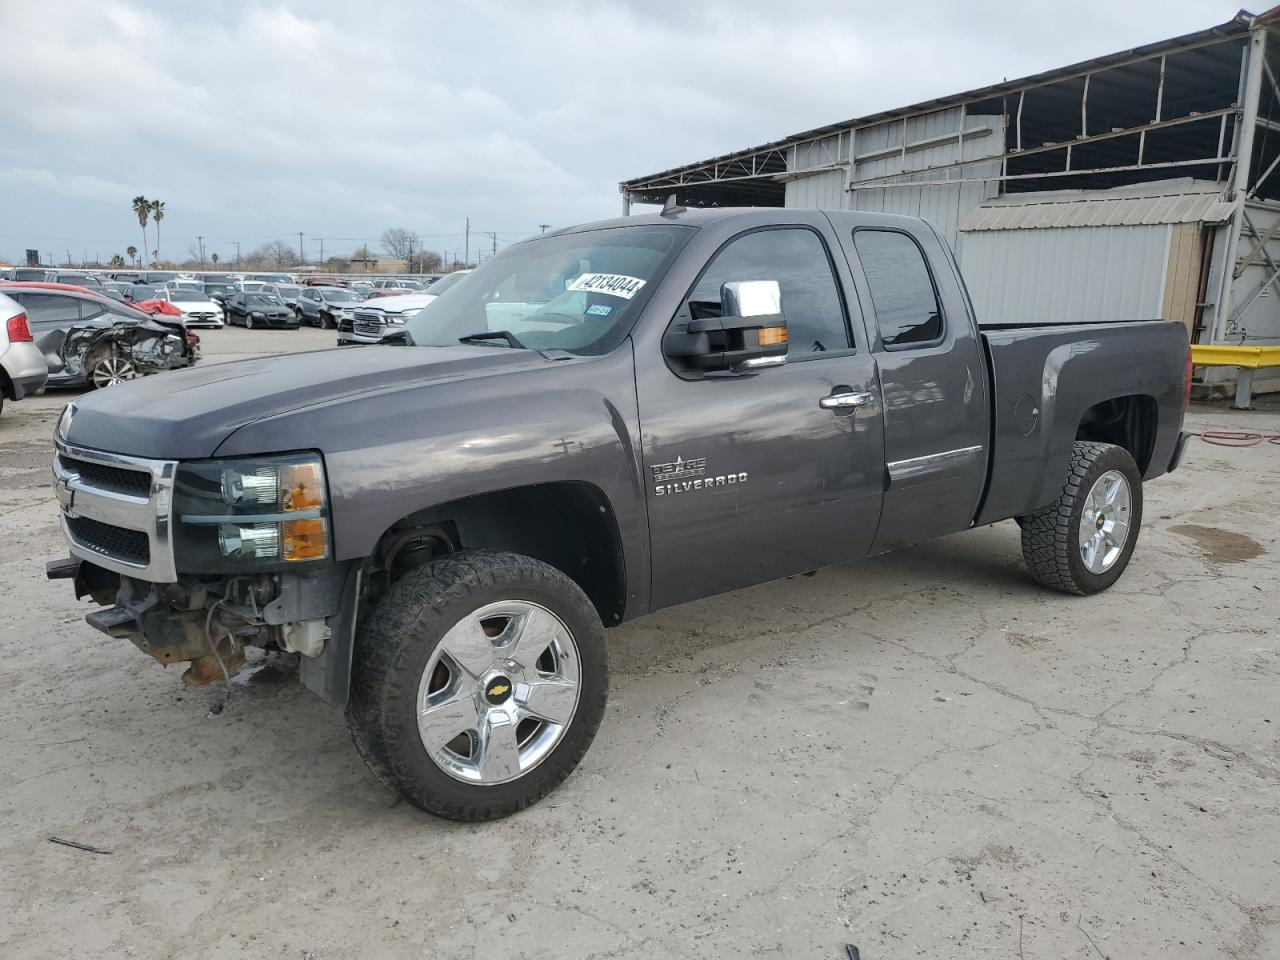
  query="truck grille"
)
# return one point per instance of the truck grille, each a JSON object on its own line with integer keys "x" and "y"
{"x": 131, "y": 546}
{"x": 135, "y": 483}
{"x": 368, "y": 324}
{"x": 116, "y": 510}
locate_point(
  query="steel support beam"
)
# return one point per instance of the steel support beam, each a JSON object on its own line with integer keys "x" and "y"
{"x": 1257, "y": 52}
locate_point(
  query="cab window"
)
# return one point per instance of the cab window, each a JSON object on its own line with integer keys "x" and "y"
{"x": 906, "y": 304}
{"x": 797, "y": 258}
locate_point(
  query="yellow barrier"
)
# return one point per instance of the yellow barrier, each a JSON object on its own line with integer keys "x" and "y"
{"x": 1225, "y": 355}
{"x": 1248, "y": 359}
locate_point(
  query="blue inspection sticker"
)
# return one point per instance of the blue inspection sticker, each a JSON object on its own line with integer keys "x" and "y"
{"x": 599, "y": 310}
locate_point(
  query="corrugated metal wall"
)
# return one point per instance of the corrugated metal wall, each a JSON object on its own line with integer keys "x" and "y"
{"x": 1062, "y": 275}
{"x": 880, "y": 148}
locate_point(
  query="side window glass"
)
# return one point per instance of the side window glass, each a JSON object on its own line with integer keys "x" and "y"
{"x": 45, "y": 311}
{"x": 797, "y": 259}
{"x": 91, "y": 310}
{"x": 906, "y": 304}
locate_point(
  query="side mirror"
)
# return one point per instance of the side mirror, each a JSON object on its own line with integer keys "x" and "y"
{"x": 749, "y": 334}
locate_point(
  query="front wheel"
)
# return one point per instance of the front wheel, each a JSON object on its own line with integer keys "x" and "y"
{"x": 478, "y": 684}
{"x": 248, "y": 322}
{"x": 1082, "y": 542}
{"x": 107, "y": 367}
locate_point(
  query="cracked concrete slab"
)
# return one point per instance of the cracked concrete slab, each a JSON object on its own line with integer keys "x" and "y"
{"x": 924, "y": 754}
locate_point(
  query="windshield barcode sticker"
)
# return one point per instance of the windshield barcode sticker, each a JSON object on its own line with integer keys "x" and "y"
{"x": 614, "y": 284}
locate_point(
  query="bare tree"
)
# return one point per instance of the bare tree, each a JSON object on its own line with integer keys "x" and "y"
{"x": 399, "y": 242}
{"x": 429, "y": 261}
{"x": 276, "y": 253}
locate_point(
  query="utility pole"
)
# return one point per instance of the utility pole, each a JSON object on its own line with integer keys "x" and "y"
{"x": 302, "y": 257}
{"x": 200, "y": 240}
{"x": 467, "y": 255}
{"x": 542, "y": 227}
{"x": 322, "y": 250}
{"x": 495, "y": 242}
{"x": 237, "y": 254}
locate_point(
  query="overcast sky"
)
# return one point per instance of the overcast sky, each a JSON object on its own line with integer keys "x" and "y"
{"x": 259, "y": 120}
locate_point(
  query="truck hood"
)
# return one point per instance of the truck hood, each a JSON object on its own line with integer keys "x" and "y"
{"x": 186, "y": 414}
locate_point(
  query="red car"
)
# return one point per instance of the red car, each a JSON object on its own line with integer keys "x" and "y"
{"x": 91, "y": 340}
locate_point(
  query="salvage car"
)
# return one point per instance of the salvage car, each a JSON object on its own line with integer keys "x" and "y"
{"x": 197, "y": 310}
{"x": 326, "y": 307}
{"x": 91, "y": 340}
{"x": 259, "y": 310}
{"x": 72, "y": 278}
{"x": 23, "y": 370}
{"x": 374, "y": 319}
{"x": 288, "y": 292}
{"x": 137, "y": 292}
{"x": 597, "y": 423}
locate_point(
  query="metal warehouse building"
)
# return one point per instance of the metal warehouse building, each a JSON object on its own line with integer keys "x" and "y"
{"x": 1136, "y": 185}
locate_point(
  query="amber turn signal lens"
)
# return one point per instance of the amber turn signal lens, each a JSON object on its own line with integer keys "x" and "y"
{"x": 305, "y": 540}
{"x": 301, "y": 487}
{"x": 773, "y": 336}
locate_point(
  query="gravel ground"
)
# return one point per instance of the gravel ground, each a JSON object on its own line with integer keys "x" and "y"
{"x": 924, "y": 754}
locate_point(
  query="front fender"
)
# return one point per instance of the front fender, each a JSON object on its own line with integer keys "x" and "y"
{"x": 397, "y": 452}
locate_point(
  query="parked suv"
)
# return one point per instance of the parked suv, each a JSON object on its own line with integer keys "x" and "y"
{"x": 22, "y": 366}
{"x": 327, "y": 307}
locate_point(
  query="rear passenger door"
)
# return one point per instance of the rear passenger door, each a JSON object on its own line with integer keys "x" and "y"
{"x": 51, "y": 317}
{"x": 933, "y": 380}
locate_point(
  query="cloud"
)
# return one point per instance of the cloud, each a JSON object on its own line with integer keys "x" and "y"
{"x": 255, "y": 120}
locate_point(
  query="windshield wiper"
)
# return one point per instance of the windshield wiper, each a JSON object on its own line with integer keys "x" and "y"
{"x": 505, "y": 335}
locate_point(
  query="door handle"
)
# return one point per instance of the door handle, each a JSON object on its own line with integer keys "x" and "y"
{"x": 843, "y": 401}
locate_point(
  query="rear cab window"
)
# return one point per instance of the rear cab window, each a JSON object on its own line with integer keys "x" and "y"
{"x": 907, "y": 310}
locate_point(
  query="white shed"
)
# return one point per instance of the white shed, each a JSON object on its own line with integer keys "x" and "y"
{"x": 1127, "y": 253}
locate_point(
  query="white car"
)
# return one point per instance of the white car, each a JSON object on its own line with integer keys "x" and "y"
{"x": 197, "y": 309}
{"x": 371, "y": 320}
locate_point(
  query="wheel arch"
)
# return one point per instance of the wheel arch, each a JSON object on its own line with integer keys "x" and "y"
{"x": 1130, "y": 422}
{"x": 567, "y": 524}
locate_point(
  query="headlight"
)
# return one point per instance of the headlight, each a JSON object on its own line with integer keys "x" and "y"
{"x": 410, "y": 313}
{"x": 257, "y": 313}
{"x": 250, "y": 515}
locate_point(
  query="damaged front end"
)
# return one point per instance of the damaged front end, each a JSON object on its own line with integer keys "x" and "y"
{"x": 198, "y": 561}
{"x": 210, "y": 623}
{"x": 124, "y": 350}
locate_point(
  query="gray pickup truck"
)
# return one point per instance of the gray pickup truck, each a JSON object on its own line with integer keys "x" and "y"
{"x": 595, "y": 424}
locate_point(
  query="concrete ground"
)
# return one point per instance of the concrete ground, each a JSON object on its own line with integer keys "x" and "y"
{"x": 925, "y": 755}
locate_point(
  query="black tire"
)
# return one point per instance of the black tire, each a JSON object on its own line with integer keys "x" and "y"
{"x": 1050, "y": 536}
{"x": 395, "y": 645}
{"x": 325, "y": 323}
{"x": 248, "y": 322}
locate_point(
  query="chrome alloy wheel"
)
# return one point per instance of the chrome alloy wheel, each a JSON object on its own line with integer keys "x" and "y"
{"x": 112, "y": 370}
{"x": 499, "y": 692}
{"x": 1104, "y": 522}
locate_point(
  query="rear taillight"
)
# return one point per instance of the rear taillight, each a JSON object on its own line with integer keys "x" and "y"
{"x": 17, "y": 329}
{"x": 1186, "y": 399}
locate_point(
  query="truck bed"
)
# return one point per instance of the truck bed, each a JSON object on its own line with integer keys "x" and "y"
{"x": 1046, "y": 378}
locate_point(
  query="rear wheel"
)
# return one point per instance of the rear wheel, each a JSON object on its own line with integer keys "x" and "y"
{"x": 478, "y": 684}
{"x": 1082, "y": 542}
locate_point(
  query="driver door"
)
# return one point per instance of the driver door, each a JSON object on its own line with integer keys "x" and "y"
{"x": 750, "y": 477}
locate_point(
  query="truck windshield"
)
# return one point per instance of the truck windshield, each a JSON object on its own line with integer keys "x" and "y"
{"x": 577, "y": 292}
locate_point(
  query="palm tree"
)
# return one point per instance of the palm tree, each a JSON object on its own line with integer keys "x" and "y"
{"x": 157, "y": 214}
{"x": 214, "y": 258}
{"x": 133, "y": 254}
{"x": 142, "y": 207}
